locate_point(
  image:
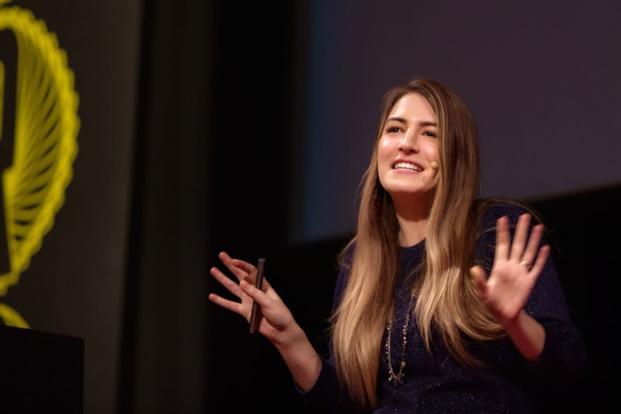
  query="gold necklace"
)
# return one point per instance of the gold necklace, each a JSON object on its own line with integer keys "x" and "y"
{"x": 398, "y": 378}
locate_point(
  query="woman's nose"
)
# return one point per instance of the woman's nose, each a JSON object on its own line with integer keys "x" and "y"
{"x": 409, "y": 142}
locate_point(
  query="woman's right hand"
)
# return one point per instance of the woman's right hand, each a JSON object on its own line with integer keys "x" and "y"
{"x": 276, "y": 321}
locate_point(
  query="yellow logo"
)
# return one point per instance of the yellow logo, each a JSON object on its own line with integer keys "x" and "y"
{"x": 38, "y": 130}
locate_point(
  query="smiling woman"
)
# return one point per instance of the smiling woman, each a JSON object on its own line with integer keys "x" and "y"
{"x": 444, "y": 303}
{"x": 407, "y": 147}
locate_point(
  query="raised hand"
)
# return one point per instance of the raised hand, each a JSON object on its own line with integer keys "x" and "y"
{"x": 276, "y": 321}
{"x": 517, "y": 266}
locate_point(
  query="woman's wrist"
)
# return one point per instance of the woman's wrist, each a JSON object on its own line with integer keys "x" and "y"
{"x": 289, "y": 337}
{"x": 527, "y": 335}
{"x": 513, "y": 324}
{"x": 300, "y": 356}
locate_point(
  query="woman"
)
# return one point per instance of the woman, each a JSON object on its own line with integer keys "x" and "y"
{"x": 443, "y": 303}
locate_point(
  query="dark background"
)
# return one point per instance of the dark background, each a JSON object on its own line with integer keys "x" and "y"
{"x": 215, "y": 125}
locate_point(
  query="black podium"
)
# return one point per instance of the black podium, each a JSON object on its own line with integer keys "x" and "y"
{"x": 40, "y": 372}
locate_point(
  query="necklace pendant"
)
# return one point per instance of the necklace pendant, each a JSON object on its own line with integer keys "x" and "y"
{"x": 396, "y": 379}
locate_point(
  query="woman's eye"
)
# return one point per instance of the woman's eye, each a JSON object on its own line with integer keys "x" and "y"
{"x": 430, "y": 134}
{"x": 393, "y": 130}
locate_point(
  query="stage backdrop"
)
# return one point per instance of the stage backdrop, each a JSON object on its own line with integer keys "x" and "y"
{"x": 74, "y": 284}
{"x": 542, "y": 79}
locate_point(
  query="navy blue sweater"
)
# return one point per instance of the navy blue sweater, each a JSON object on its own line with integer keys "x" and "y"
{"x": 435, "y": 382}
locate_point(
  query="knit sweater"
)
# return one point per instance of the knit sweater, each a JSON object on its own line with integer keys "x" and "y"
{"x": 436, "y": 382}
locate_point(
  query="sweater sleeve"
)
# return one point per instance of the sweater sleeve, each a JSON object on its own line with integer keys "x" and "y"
{"x": 563, "y": 358}
{"x": 327, "y": 394}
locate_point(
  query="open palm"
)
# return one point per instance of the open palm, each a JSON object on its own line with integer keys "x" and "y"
{"x": 513, "y": 274}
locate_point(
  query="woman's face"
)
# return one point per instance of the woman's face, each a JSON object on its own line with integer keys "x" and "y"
{"x": 408, "y": 148}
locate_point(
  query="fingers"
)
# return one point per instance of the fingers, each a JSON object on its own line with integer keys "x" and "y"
{"x": 226, "y": 282}
{"x": 243, "y": 265}
{"x": 480, "y": 280}
{"x": 247, "y": 267}
{"x": 227, "y": 304}
{"x": 533, "y": 245}
{"x": 242, "y": 269}
{"x": 518, "y": 249}
{"x": 544, "y": 252}
{"x": 502, "y": 238}
{"x": 258, "y": 295}
{"x": 519, "y": 240}
{"x": 240, "y": 273}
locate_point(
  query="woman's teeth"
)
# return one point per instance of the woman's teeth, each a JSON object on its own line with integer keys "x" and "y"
{"x": 408, "y": 166}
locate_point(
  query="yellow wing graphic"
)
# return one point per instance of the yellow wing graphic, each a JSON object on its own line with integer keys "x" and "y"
{"x": 44, "y": 146}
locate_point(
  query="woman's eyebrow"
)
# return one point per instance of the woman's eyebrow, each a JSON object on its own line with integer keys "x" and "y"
{"x": 428, "y": 123}
{"x": 398, "y": 119}
{"x": 404, "y": 121}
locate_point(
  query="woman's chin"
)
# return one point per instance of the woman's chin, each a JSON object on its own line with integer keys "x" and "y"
{"x": 409, "y": 192}
{"x": 407, "y": 187}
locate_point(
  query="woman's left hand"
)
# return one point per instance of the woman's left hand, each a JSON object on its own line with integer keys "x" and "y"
{"x": 517, "y": 266}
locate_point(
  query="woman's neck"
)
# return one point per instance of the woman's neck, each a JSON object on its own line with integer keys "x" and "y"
{"x": 412, "y": 216}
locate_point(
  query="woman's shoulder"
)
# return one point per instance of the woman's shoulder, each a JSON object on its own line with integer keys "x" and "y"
{"x": 344, "y": 260}
{"x": 491, "y": 209}
{"x": 346, "y": 255}
{"x": 488, "y": 212}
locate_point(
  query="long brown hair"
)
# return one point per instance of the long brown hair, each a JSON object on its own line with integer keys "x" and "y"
{"x": 446, "y": 296}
